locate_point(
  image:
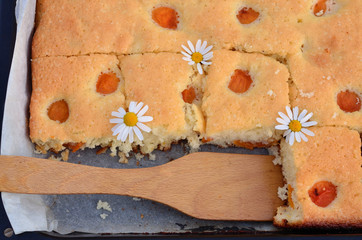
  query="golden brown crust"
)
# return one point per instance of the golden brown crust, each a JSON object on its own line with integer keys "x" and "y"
{"x": 160, "y": 90}
{"x": 74, "y": 80}
{"x": 334, "y": 155}
{"x": 248, "y": 116}
{"x": 88, "y": 26}
{"x": 327, "y": 63}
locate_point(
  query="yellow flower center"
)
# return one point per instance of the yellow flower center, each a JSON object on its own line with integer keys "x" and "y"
{"x": 130, "y": 119}
{"x": 197, "y": 57}
{"x": 295, "y": 126}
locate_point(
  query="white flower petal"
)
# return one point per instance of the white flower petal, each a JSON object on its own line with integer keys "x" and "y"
{"x": 118, "y": 129}
{"x": 132, "y": 106}
{"x": 199, "y": 68}
{"x": 191, "y": 46}
{"x": 282, "y": 121}
{"x": 115, "y": 127}
{"x": 119, "y": 136}
{"x": 287, "y": 137}
{"x": 198, "y": 45}
{"x": 125, "y": 133}
{"x": 291, "y": 138}
{"x": 186, "y": 49}
{"x": 121, "y": 110}
{"x": 138, "y": 107}
{"x": 206, "y": 50}
{"x": 208, "y": 56}
{"x": 297, "y": 136}
{"x": 289, "y": 112}
{"x": 143, "y": 111}
{"x": 143, "y": 127}
{"x": 131, "y": 135}
{"x": 145, "y": 119}
{"x": 302, "y": 114}
{"x": 187, "y": 59}
{"x": 206, "y": 63}
{"x": 119, "y": 114}
{"x": 305, "y": 139}
{"x": 191, "y": 63}
{"x": 138, "y": 133}
{"x": 121, "y": 133}
{"x": 281, "y": 127}
{"x": 285, "y": 117}
{"x": 309, "y": 124}
{"x": 116, "y": 120}
{"x": 306, "y": 118}
{"x": 203, "y": 46}
{"x": 295, "y": 113}
{"x": 308, "y": 132}
{"x": 186, "y": 54}
{"x": 286, "y": 133}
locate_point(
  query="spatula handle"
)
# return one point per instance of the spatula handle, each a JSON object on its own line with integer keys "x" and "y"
{"x": 43, "y": 176}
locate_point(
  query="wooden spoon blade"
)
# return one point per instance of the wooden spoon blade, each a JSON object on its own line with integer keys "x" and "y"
{"x": 214, "y": 186}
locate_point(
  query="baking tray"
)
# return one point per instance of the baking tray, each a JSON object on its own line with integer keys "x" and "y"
{"x": 139, "y": 217}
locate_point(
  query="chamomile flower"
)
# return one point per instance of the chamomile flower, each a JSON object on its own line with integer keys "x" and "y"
{"x": 295, "y": 126}
{"x": 130, "y": 122}
{"x": 198, "y": 55}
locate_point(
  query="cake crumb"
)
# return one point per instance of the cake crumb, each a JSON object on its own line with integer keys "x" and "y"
{"x": 142, "y": 216}
{"x": 52, "y": 157}
{"x": 136, "y": 199}
{"x": 103, "y": 215}
{"x": 139, "y": 156}
{"x": 65, "y": 155}
{"x": 152, "y": 156}
{"x": 307, "y": 95}
{"x": 122, "y": 158}
{"x": 78, "y": 155}
{"x": 104, "y": 205}
{"x": 40, "y": 150}
{"x": 271, "y": 93}
{"x": 274, "y": 151}
{"x": 283, "y": 192}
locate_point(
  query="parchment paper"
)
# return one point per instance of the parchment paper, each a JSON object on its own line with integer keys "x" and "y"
{"x": 69, "y": 213}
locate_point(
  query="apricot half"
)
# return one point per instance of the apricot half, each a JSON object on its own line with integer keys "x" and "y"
{"x": 189, "y": 95}
{"x": 247, "y": 15}
{"x": 320, "y": 8}
{"x": 322, "y": 193}
{"x": 349, "y": 101}
{"x": 165, "y": 17}
{"x": 240, "y": 81}
{"x": 107, "y": 83}
{"x": 58, "y": 111}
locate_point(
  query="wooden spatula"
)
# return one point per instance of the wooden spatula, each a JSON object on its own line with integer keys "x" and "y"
{"x": 215, "y": 186}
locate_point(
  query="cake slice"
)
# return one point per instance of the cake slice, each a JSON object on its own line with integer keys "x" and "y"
{"x": 65, "y": 27}
{"x": 323, "y": 180}
{"x": 72, "y": 101}
{"x": 326, "y": 72}
{"x": 163, "y": 82}
{"x": 268, "y": 27}
{"x": 242, "y": 96}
